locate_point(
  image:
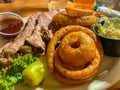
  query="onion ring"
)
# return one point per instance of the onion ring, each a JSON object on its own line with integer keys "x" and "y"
{"x": 65, "y": 20}
{"x": 78, "y": 74}
{"x": 59, "y": 35}
{"x": 65, "y": 80}
{"x": 58, "y": 67}
{"x": 73, "y": 45}
{"x": 77, "y": 12}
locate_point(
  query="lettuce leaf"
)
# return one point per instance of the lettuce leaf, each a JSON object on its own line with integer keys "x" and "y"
{"x": 12, "y": 75}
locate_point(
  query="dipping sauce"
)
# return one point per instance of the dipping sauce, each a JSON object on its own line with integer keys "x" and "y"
{"x": 10, "y": 25}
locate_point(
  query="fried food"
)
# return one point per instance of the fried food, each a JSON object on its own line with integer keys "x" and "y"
{"x": 73, "y": 45}
{"x": 64, "y": 20}
{"x": 73, "y": 64}
{"x": 77, "y": 12}
{"x": 80, "y": 73}
{"x": 59, "y": 35}
{"x": 64, "y": 80}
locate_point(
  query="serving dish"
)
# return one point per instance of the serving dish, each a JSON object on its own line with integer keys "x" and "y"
{"x": 11, "y": 24}
{"x": 111, "y": 44}
{"x": 105, "y": 78}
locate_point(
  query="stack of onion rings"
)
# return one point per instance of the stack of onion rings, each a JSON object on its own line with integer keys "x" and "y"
{"x": 77, "y": 58}
{"x": 63, "y": 20}
{"x": 77, "y": 12}
{"x": 75, "y": 16}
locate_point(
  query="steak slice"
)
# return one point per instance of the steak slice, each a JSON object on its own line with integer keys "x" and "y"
{"x": 32, "y": 22}
{"x": 45, "y": 22}
{"x": 19, "y": 41}
{"x": 42, "y": 32}
{"x": 45, "y": 19}
{"x": 36, "y": 40}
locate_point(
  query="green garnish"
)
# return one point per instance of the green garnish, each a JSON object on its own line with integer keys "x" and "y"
{"x": 12, "y": 74}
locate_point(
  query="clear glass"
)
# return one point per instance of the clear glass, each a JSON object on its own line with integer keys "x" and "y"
{"x": 57, "y": 4}
{"x": 86, "y": 4}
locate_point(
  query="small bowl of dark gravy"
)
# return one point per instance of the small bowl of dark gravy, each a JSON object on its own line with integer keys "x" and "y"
{"x": 11, "y": 24}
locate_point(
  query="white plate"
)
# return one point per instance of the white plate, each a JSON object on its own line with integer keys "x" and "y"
{"x": 108, "y": 74}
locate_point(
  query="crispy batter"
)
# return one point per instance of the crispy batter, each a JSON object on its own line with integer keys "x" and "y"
{"x": 73, "y": 45}
{"x": 65, "y": 20}
{"x": 78, "y": 74}
{"x": 59, "y": 35}
{"x": 65, "y": 80}
{"x": 77, "y": 12}
{"x": 57, "y": 66}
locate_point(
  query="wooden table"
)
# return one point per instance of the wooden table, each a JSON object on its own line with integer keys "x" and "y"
{"x": 27, "y": 8}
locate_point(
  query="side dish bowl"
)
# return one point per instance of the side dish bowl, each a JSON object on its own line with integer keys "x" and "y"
{"x": 11, "y": 24}
{"x": 111, "y": 45}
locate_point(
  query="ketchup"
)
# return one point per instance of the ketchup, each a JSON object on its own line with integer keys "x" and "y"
{"x": 10, "y": 25}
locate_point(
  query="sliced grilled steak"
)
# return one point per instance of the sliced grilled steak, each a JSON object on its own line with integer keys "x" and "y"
{"x": 42, "y": 33}
{"x": 14, "y": 45}
{"x": 45, "y": 21}
{"x": 32, "y": 22}
{"x": 36, "y": 39}
{"x": 19, "y": 41}
{"x": 37, "y": 32}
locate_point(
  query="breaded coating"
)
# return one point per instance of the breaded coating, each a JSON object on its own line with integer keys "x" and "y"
{"x": 77, "y": 12}
{"x": 64, "y": 20}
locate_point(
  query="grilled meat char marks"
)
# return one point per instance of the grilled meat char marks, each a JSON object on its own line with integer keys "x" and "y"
{"x": 26, "y": 33}
{"x": 42, "y": 34}
{"x": 36, "y": 33}
{"x": 36, "y": 40}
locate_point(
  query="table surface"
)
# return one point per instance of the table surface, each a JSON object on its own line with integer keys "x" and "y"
{"x": 28, "y": 7}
